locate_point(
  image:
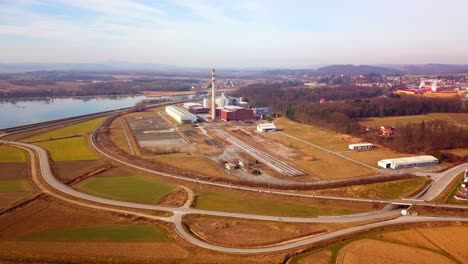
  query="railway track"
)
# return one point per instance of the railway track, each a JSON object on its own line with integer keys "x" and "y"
{"x": 272, "y": 162}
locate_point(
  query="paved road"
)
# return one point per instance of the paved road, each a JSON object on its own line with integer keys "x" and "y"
{"x": 442, "y": 181}
{"x": 308, "y": 241}
{"x": 49, "y": 177}
{"x": 450, "y": 174}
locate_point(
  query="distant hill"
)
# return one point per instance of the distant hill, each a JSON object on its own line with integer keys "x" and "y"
{"x": 290, "y": 72}
{"x": 432, "y": 68}
{"x": 350, "y": 69}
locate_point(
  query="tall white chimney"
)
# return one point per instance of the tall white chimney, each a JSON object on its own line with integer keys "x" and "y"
{"x": 213, "y": 104}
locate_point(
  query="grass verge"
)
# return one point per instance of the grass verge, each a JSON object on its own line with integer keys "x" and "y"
{"x": 11, "y": 154}
{"x": 139, "y": 189}
{"x": 12, "y": 186}
{"x": 68, "y": 149}
{"x": 239, "y": 204}
{"x": 72, "y": 130}
{"x": 385, "y": 190}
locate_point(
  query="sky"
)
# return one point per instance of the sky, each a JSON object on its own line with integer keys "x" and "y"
{"x": 240, "y": 33}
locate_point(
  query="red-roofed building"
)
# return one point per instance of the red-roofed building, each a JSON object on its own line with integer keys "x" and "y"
{"x": 237, "y": 114}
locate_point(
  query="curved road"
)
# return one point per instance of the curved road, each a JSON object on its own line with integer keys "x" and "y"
{"x": 178, "y": 212}
{"x": 442, "y": 180}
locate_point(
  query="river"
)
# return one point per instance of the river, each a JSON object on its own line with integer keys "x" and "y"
{"x": 17, "y": 112}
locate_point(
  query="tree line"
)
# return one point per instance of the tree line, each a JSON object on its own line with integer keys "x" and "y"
{"x": 347, "y": 104}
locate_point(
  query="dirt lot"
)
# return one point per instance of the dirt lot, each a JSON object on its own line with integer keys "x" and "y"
{"x": 152, "y": 130}
{"x": 190, "y": 163}
{"x": 248, "y": 233}
{"x": 318, "y": 163}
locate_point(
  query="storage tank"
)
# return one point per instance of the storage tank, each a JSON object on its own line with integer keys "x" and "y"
{"x": 206, "y": 103}
{"x": 220, "y": 101}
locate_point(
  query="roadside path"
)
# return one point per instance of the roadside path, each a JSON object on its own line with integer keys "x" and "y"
{"x": 129, "y": 144}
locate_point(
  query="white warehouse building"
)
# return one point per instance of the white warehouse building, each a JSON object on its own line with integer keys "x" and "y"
{"x": 270, "y": 127}
{"x": 408, "y": 162}
{"x": 180, "y": 114}
{"x": 361, "y": 146}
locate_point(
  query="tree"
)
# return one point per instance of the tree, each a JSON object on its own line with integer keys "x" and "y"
{"x": 290, "y": 112}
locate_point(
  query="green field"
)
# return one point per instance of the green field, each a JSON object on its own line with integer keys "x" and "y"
{"x": 239, "y": 204}
{"x": 68, "y": 149}
{"x": 72, "y": 130}
{"x": 139, "y": 189}
{"x": 12, "y": 186}
{"x": 116, "y": 233}
{"x": 12, "y": 154}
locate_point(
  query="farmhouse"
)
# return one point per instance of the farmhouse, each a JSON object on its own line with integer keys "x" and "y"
{"x": 270, "y": 127}
{"x": 180, "y": 114}
{"x": 408, "y": 162}
{"x": 361, "y": 146}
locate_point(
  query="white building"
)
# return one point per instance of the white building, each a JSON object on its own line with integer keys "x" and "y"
{"x": 180, "y": 114}
{"x": 270, "y": 127}
{"x": 361, "y": 146}
{"x": 190, "y": 105}
{"x": 408, "y": 162}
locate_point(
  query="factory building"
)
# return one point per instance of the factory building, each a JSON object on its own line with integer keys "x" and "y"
{"x": 361, "y": 146}
{"x": 263, "y": 111}
{"x": 270, "y": 127}
{"x": 181, "y": 114}
{"x": 236, "y": 113}
{"x": 408, "y": 162}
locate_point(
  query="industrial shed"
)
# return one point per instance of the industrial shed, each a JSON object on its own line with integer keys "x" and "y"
{"x": 361, "y": 146}
{"x": 180, "y": 114}
{"x": 408, "y": 162}
{"x": 270, "y": 127}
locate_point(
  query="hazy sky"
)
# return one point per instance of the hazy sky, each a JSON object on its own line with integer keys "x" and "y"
{"x": 244, "y": 33}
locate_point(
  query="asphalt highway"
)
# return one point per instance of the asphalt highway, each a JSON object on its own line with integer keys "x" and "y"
{"x": 380, "y": 218}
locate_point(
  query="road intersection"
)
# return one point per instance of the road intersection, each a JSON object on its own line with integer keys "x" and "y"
{"x": 378, "y": 219}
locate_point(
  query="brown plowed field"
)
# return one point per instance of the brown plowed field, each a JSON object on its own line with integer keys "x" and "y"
{"x": 69, "y": 170}
{"x": 321, "y": 257}
{"x": 375, "y": 251}
{"x": 410, "y": 237}
{"x": 453, "y": 240}
{"x": 14, "y": 171}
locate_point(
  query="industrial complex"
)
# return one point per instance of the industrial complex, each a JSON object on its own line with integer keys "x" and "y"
{"x": 180, "y": 114}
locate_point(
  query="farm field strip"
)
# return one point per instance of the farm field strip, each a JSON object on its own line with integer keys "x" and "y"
{"x": 126, "y": 188}
{"x": 68, "y": 149}
{"x": 118, "y": 233}
{"x": 269, "y": 160}
{"x": 17, "y": 185}
{"x": 68, "y": 131}
{"x": 10, "y": 154}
